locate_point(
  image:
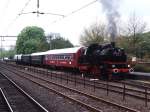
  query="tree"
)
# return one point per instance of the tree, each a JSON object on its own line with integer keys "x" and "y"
{"x": 31, "y": 39}
{"x": 10, "y": 53}
{"x": 135, "y": 28}
{"x": 132, "y": 36}
{"x": 59, "y": 42}
{"x": 144, "y": 46}
{"x": 96, "y": 33}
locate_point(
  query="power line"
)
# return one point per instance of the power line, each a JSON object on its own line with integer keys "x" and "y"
{"x": 9, "y": 40}
{"x": 14, "y": 20}
{"x": 13, "y": 36}
{"x": 9, "y": 36}
{"x": 8, "y": 46}
{"x": 83, "y": 7}
{"x": 25, "y": 6}
{"x": 35, "y": 12}
{"x": 77, "y": 10}
{"x": 38, "y": 12}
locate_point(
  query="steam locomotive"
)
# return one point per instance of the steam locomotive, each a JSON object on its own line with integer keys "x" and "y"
{"x": 104, "y": 61}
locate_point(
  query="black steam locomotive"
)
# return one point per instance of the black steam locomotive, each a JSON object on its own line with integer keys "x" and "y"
{"x": 107, "y": 60}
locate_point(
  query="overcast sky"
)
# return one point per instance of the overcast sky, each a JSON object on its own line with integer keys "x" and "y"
{"x": 69, "y": 27}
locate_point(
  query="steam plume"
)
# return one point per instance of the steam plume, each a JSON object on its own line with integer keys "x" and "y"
{"x": 110, "y": 7}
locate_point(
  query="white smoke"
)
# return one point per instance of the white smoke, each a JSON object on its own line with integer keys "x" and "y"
{"x": 110, "y": 7}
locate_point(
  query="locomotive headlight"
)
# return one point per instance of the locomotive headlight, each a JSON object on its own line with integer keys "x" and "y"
{"x": 115, "y": 70}
{"x": 113, "y": 66}
{"x": 129, "y": 66}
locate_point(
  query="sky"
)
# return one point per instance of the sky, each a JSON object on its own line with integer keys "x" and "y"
{"x": 71, "y": 26}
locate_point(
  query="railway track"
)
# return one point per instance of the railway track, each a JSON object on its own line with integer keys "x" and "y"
{"x": 4, "y": 104}
{"x": 75, "y": 95}
{"x": 131, "y": 89}
{"x": 14, "y": 99}
{"x": 79, "y": 77}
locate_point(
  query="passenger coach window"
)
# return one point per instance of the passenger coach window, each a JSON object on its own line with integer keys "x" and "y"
{"x": 62, "y": 56}
{"x": 67, "y": 57}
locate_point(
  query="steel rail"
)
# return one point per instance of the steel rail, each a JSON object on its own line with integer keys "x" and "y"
{"x": 10, "y": 109}
{"x": 128, "y": 90}
{"x": 65, "y": 96}
{"x": 128, "y": 84}
{"x": 112, "y": 90}
{"x": 79, "y": 92}
{"x": 27, "y": 95}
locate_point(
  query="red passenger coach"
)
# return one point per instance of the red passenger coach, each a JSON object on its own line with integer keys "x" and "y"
{"x": 67, "y": 57}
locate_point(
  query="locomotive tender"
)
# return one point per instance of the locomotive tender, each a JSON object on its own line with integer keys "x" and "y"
{"x": 106, "y": 61}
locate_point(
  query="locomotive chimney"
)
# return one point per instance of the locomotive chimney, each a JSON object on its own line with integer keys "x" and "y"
{"x": 113, "y": 44}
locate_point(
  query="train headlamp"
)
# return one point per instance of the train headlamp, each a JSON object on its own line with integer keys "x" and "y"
{"x": 113, "y": 66}
{"x": 115, "y": 70}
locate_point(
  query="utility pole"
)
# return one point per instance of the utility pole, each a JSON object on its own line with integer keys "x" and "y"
{"x": 38, "y": 5}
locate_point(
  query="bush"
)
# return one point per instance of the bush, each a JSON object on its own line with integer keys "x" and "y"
{"x": 141, "y": 68}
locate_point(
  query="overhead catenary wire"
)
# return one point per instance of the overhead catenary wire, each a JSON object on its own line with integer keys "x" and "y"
{"x": 39, "y": 12}
{"x": 64, "y": 16}
{"x": 69, "y": 14}
{"x": 83, "y": 7}
{"x": 25, "y": 6}
{"x": 17, "y": 16}
{"x": 14, "y": 20}
{"x": 76, "y": 10}
{"x": 5, "y": 9}
{"x": 35, "y": 12}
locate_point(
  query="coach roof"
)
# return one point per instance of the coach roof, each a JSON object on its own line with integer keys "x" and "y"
{"x": 38, "y": 53}
{"x": 64, "y": 51}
